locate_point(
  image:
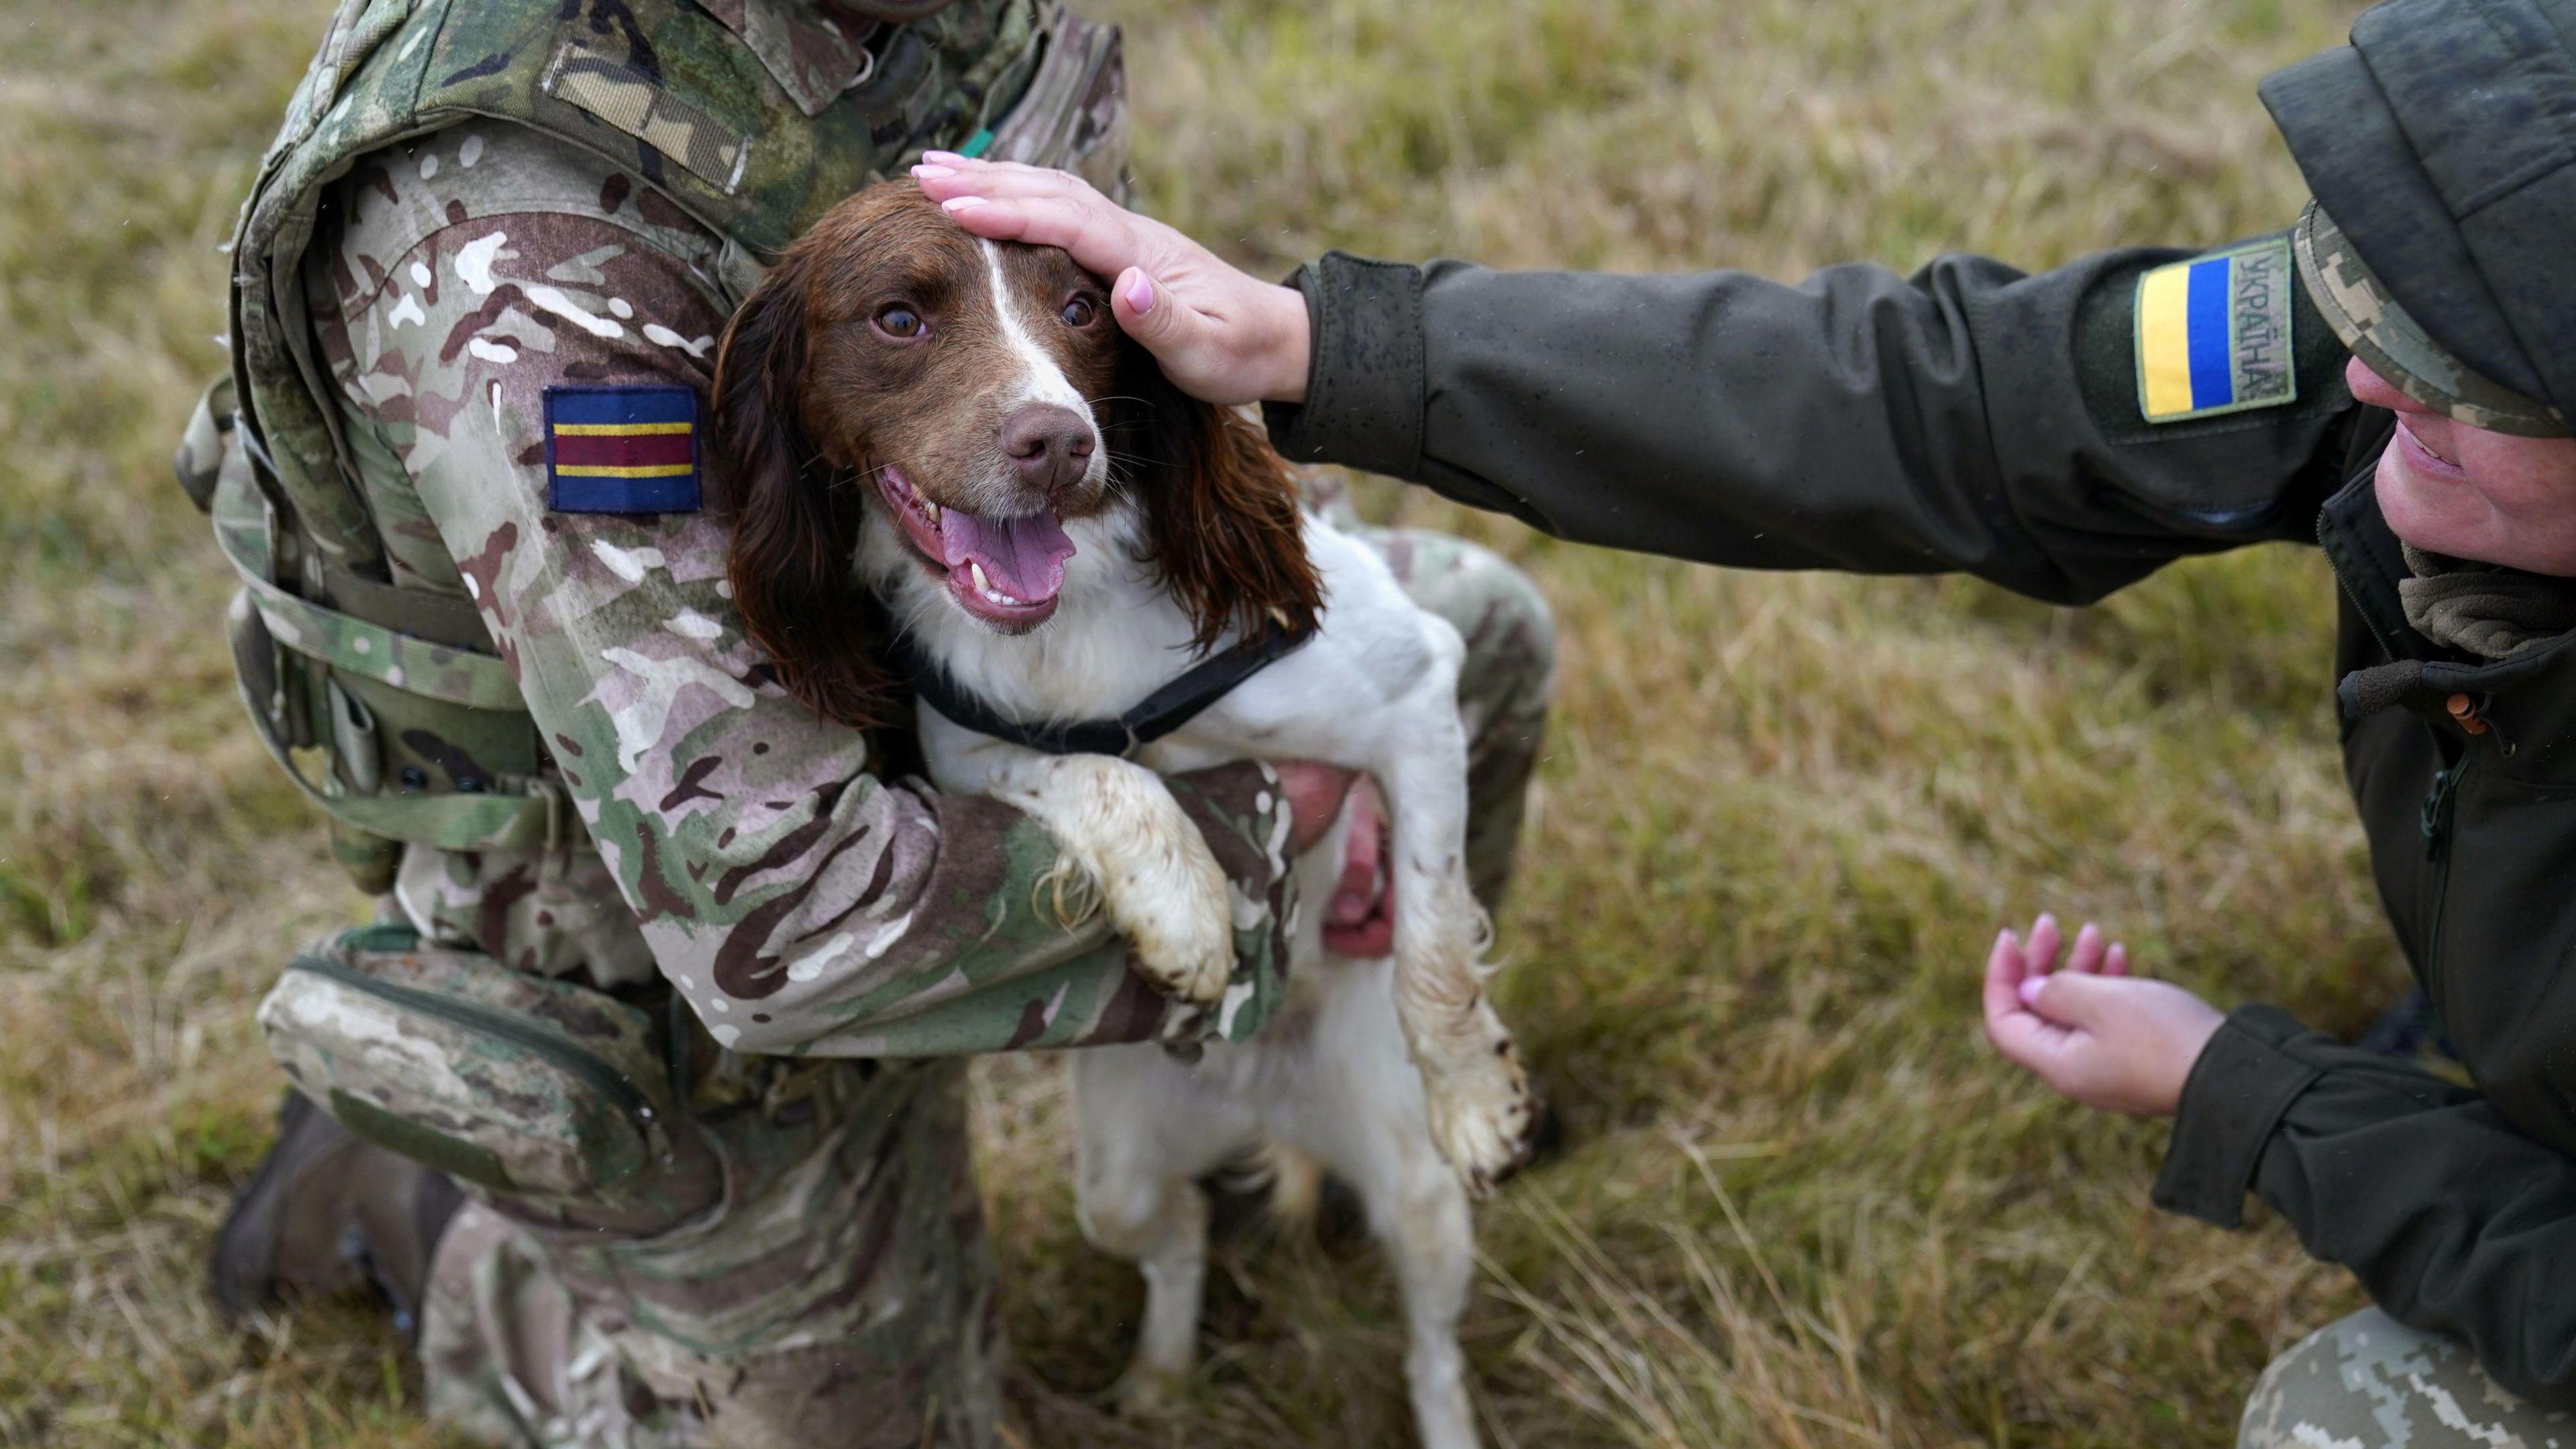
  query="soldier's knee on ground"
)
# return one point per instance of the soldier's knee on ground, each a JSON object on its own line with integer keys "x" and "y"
{"x": 2370, "y": 1382}
{"x": 839, "y": 1292}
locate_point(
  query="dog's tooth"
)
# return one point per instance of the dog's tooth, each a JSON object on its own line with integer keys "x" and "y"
{"x": 982, "y": 584}
{"x": 931, "y": 508}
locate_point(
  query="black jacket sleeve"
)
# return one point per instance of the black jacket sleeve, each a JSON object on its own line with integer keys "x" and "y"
{"x": 1968, "y": 418}
{"x": 2454, "y": 1220}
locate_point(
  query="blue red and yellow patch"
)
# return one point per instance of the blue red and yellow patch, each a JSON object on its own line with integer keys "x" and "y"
{"x": 622, "y": 449}
{"x": 2213, "y": 334}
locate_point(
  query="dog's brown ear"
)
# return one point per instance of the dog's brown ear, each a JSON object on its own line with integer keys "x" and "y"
{"x": 795, "y": 524}
{"x": 1220, "y": 508}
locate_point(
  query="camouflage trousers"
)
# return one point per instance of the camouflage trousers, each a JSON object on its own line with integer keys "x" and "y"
{"x": 834, "y": 1288}
{"x": 817, "y": 1272}
{"x": 2370, "y": 1382}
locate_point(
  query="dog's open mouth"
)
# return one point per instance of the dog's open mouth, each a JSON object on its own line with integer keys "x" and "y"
{"x": 1005, "y": 571}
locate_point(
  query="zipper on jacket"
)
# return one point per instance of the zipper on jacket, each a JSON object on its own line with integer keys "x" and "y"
{"x": 612, "y": 1083}
{"x": 2436, "y": 813}
{"x": 2440, "y": 804}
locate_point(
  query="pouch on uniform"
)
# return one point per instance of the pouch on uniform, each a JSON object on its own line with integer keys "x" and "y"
{"x": 522, "y": 1084}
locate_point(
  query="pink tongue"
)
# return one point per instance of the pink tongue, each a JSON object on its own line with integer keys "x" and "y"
{"x": 1022, "y": 557}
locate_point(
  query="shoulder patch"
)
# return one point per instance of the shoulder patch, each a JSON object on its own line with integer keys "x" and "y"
{"x": 622, "y": 449}
{"x": 2213, "y": 334}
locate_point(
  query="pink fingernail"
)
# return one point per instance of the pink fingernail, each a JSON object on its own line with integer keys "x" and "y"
{"x": 962, "y": 203}
{"x": 928, "y": 172}
{"x": 941, "y": 157}
{"x": 2003, "y": 938}
{"x": 1140, "y": 295}
{"x": 2030, "y": 990}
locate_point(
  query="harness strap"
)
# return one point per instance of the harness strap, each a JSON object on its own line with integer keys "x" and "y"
{"x": 360, "y": 646}
{"x": 1163, "y": 711}
{"x": 448, "y": 619}
{"x": 526, "y": 814}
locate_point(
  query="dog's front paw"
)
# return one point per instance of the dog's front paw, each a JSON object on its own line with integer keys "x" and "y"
{"x": 1158, "y": 882}
{"x": 1484, "y": 1111}
{"x": 1170, "y": 899}
{"x": 1182, "y": 932}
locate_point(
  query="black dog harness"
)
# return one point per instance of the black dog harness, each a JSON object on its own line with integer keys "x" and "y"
{"x": 1163, "y": 711}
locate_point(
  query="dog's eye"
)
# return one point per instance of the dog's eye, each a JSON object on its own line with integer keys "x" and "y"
{"x": 1079, "y": 312}
{"x": 899, "y": 321}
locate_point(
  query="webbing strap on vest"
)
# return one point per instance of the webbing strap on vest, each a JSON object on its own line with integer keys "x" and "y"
{"x": 519, "y": 813}
{"x": 345, "y": 641}
{"x": 536, "y": 819}
{"x": 439, "y": 618}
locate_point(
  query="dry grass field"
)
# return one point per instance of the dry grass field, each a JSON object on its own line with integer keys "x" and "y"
{"x": 1801, "y": 1204}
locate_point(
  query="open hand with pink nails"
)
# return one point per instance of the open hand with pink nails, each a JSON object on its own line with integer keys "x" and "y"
{"x": 1221, "y": 335}
{"x": 2089, "y": 1029}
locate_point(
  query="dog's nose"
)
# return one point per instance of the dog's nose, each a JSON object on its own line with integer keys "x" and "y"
{"x": 1050, "y": 444}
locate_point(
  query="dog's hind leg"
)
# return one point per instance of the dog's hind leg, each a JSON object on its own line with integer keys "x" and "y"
{"x": 1429, "y": 1236}
{"x": 1162, "y": 1226}
{"x": 1145, "y": 1138}
{"x": 1368, "y": 1125}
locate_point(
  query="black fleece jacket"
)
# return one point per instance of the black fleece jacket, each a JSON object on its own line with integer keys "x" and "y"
{"x": 1973, "y": 418}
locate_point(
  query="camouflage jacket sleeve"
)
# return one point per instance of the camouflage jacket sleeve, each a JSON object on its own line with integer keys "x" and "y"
{"x": 798, "y": 902}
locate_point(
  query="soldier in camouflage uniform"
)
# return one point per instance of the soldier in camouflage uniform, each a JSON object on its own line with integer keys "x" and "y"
{"x": 671, "y": 977}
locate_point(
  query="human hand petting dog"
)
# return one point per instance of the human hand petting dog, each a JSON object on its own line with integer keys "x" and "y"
{"x": 2091, "y": 1031}
{"x": 1221, "y": 335}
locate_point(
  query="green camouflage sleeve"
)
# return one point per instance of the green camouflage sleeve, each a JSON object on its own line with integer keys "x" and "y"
{"x": 799, "y": 903}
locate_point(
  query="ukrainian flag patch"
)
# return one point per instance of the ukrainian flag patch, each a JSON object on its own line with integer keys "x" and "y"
{"x": 621, "y": 449}
{"x": 2214, "y": 334}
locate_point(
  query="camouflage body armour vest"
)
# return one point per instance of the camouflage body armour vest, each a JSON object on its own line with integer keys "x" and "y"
{"x": 751, "y": 126}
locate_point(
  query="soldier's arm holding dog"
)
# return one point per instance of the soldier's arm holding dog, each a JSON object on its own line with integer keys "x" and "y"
{"x": 798, "y": 901}
{"x": 1969, "y": 417}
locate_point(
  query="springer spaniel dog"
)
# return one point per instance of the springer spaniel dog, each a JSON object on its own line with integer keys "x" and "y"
{"x": 950, "y": 471}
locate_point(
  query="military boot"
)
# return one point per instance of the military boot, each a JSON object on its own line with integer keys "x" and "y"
{"x": 328, "y": 1213}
